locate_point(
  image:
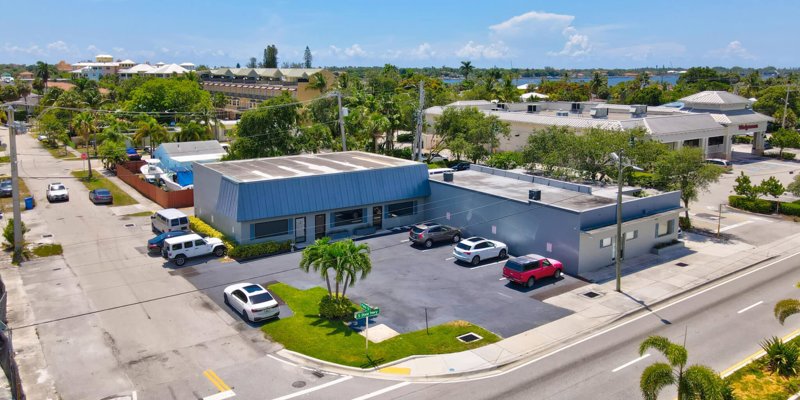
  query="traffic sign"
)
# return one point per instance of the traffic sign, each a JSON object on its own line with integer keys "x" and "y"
{"x": 367, "y": 314}
{"x": 84, "y": 156}
{"x": 365, "y": 307}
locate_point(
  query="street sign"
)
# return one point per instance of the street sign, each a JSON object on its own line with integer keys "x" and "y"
{"x": 365, "y": 307}
{"x": 84, "y": 156}
{"x": 367, "y": 314}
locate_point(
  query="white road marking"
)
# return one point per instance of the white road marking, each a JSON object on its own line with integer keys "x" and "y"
{"x": 315, "y": 388}
{"x": 729, "y": 227}
{"x": 134, "y": 396}
{"x": 404, "y": 241}
{"x": 449, "y": 258}
{"x": 762, "y": 219}
{"x": 221, "y": 395}
{"x": 504, "y": 295}
{"x": 749, "y": 307}
{"x": 630, "y": 321}
{"x": 486, "y": 265}
{"x": 502, "y": 279}
{"x": 382, "y": 391}
{"x": 281, "y": 360}
{"x": 425, "y": 251}
{"x": 629, "y": 363}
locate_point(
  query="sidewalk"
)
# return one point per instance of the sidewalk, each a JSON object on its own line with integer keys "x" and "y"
{"x": 646, "y": 280}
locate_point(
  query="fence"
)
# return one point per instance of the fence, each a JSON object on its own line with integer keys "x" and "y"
{"x": 7, "y": 361}
{"x": 128, "y": 172}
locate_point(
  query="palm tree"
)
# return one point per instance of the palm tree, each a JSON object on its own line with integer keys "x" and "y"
{"x": 192, "y": 131}
{"x": 151, "y": 129}
{"x": 694, "y": 382}
{"x": 85, "y": 125}
{"x": 597, "y": 83}
{"x": 786, "y": 308}
{"x": 43, "y": 71}
{"x": 317, "y": 257}
{"x": 466, "y": 69}
{"x": 377, "y": 125}
{"x": 317, "y": 81}
{"x": 352, "y": 263}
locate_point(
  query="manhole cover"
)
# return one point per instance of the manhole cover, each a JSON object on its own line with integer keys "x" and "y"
{"x": 130, "y": 225}
{"x": 47, "y": 235}
{"x": 682, "y": 264}
{"x": 591, "y": 295}
{"x": 469, "y": 337}
{"x": 298, "y": 384}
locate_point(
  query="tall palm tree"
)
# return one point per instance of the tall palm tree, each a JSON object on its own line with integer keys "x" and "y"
{"x": 694, "y": 381}
{"x": 466, "y": 69}
{"x": 85, "y": 125}
{"x": 192, "y": 131}
{"x": 377, "y": 125}
{"x": 43, "y": 72}
{"x": 151, "y": 129}
{"x": 352, "y": 263}
{"x": 317, "y": 257}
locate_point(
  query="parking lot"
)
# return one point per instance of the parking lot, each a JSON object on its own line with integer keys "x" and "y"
{"x": 405, "y": 282}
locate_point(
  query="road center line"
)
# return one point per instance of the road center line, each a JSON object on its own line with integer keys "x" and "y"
{"x": 382, "y": 391}
{"x": 315, "y": 388}
{"x": 629, "y": 363}
{"x": 729, "y": 227}
{"x": 749, "y": 307}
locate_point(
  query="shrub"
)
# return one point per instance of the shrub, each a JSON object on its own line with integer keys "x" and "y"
{"x": 743, "y": 139}
{"x": 684, "y": 223}
{"x": 753, "y": 205}
{"x": 782, "y": 358}
{"x": 788, "y": 156}
{"x": 401, "y": 153}
{"x": 790, "y": 209}
{"x": 505, "y": 160}
{"x": 405, "y": 138}
{"x": 259, "y": 249}
{"x": 203, "y": 229}
{"x": 336, "y": 308}
{"x": 8, "y": 232}
{"x": 643, "y": 179}
{"x": 435, "y": 165}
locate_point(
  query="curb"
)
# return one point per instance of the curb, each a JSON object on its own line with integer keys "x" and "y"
{"x": 337, "y": 368}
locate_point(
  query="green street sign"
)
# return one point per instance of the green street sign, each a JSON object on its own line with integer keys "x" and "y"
{"x": 365, "y": 307}
{"x": 367, "y": 314}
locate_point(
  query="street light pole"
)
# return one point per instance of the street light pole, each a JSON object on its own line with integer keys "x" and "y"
{"x": 618, "y": 247}
{"x": 12, "y": 143}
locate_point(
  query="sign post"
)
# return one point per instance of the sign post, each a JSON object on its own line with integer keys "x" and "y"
{"x": 367, "y": 313}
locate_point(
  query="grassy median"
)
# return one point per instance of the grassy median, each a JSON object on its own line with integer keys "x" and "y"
{"x": 756, "y": 382}
{"x": 305, "y": 332}
{"x": 98, "y": 181}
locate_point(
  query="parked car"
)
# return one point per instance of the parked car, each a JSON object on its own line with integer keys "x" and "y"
{"x": 157, "y": 242}
{"x": 6, "y": 188}
{"x": 476, "y": 249}
{"x": 427, "y": 234}
{"x": 101, "y": 196}
{"x": 462, "y": 166}
{"x": 252, "y": 301}
{"x": 179, "y": 249}
{"x": 526, "y": 270}
{"x": 42, "y": 138}
{"x": 57, "y": 191}
{"x": 169, "y": 219}
{"x": 434, "y": 158}
{"x": 727, "y": 165}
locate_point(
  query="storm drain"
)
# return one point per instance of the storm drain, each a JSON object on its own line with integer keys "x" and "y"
{"x": 318, "y": 373}
{"x": 47, "y": 235}
{"x": 130, "y": 225}
{"x": 682, "y": 264}
{"x": 298, "y": 384}
{"x": 469, "y": 337}
{"x": 590, "y": 294}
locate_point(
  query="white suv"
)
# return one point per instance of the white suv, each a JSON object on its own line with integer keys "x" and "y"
{"x": 178, "y": 249}
{"x": 57, "y": 191}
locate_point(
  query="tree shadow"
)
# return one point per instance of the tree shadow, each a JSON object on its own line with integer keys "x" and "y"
{"x": 335, "y": 327}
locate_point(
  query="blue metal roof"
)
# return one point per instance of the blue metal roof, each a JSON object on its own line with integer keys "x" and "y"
{"x": 249, "y": 201}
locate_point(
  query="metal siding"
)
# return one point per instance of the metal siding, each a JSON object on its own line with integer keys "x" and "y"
{"x": 227, "y": 198}
{"x": 308, "y": 194}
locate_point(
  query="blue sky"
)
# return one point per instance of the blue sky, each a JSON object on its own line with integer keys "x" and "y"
{"x": 576, "y": 34}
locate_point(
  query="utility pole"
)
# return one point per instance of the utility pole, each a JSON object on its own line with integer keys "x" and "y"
{"x": 785, "y": 105}
{"x": 618, "y": 247}
{"x": 12, "y": 142}
{"x": 341, "y": 120}
{"x": 417, "y": 151}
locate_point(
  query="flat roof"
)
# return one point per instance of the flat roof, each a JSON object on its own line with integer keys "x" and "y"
{"x": 518, "y": 190}
{"x": 264, "y": 169}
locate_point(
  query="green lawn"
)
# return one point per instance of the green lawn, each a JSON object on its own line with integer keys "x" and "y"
{"x": 306, "y": 333}
{"x": 99, "y": 181}
{"x": 5, "y": 159}
{"x": 755, "y": 382}
{"x": 46, "y": 250}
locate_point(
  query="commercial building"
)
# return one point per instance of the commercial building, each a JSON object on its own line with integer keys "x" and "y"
{"x": 708, "y": 120}
{"x": 246, "y": 88}
{"x": 303, "y": 198}
{"x": 180, "y": 157}
{"x": 306, "y": 197}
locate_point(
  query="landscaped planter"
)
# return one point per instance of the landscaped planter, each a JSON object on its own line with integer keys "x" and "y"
{"x": 668, "y": 248}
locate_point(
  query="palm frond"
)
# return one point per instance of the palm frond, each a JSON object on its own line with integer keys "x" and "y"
{"x": 654, "y": 378}
{"x": 786, "y": 308}
{"x": 675, "y": 354}
{"x": 701, "y": 382}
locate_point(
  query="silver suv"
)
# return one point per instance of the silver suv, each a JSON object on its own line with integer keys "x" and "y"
{"x": 427, "y": 234}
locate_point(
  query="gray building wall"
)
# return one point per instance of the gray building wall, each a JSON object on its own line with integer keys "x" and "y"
{"x": 206, "y": 201}
{"x": 525, "y": 227}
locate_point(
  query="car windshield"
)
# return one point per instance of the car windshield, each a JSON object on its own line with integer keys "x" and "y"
{"x": 463, "y": 246}
{"x": 514, "y": 265}
{"x": 57, "y": 187}
{"x": 102, "y": 192}
{"x": 260, "y": 298}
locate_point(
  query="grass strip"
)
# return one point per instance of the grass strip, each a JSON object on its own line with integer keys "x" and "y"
{"x": 98, "y": 181}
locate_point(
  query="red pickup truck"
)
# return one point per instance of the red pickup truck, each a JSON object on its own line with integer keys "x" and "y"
{"x": 527, "y": 269}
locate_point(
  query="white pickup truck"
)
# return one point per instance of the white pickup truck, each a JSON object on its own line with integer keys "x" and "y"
{"x": 57, "y": 191}
{"x": 178, "y": 249}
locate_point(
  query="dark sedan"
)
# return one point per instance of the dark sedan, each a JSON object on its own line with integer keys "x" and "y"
{"x": 5, "y": 188}
{"x": 155, "y": 243}
{"x": 101, "y": 196}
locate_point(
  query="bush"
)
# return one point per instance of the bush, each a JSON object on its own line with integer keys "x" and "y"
{"x": 743, "y": 139}
{"x": 8, "y": 232}
{"x": 259, "y": 249}
{"x": 203, "y": 229}
{"x": 782, "y": 358}
{"x": 505, "y": 160}
{"x": 643, "y": 179}
{"x": 435, "y": 165}
{"x": 404, "y": 153}
{"x": 405, "y": 138}
{"x": 684, "y": 223}
{"x": 337, "y": 308}
{"x": 788, "y": 156}
{"x": 757, "y": 206}
{"x": 790, "y": 209}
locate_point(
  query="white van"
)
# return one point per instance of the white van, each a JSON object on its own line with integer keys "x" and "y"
{"x": 169, "y": 220}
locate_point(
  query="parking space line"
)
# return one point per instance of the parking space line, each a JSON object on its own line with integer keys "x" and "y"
{"x": 404, "y": 241}
{"x": 216, "y": 381}
{"x": 449, "y": 258}
{"x": 630, "y": 363}
{"x": 729, "y": 227}
{"x": 749, "y": 307}
{"x": 502, "y": 279}
{"x": 382, "y": 391}
{"x": 315, "y": 388}
{"x": 504, "y": 295}
{"x": 221, "y": 395}
{"x": 481, "y": 266}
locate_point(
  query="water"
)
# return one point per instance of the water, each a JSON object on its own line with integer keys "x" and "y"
{"x": 612, "y": 80}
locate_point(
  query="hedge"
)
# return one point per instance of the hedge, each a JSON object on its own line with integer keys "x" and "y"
{"x": 760, "y": 206}
{"x": 260, "y": 249}
{"x": 790, "y": 209}
{"x": 203, "y": 229}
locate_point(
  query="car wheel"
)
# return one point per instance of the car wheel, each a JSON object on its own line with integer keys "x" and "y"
{"x": 476, "y": 260}
{"x": 180, "y": 260}
{"x": 557, "y": 274}
{"x": 429, "y": 243}
{"x": 456, "y": 238}
{"x": 225, "y": 299}
{"x": 531, "y": 282}
{"x": 219, "y": 251}
{"x": 244, "y": 316}
{"x": 66, "y": 199}
{"x": 503, "y": 253}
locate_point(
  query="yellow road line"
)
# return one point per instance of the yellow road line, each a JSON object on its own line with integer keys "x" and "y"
{"x": 216, "y": 381}
{"x": 396, "y": 370}
{"x": 756, "y": 355}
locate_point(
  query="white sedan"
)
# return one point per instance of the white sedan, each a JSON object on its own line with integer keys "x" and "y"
{"x": 252, "y": 301}
{"x": 475, "y": 249}
{"x": 57, "y": 191}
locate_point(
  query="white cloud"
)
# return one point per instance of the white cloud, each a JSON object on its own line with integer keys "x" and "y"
{"x": 92, "y": 48}
{"x": 532, "y": 21}
{"x": 577, "y": 44}
{"x": 32, "y": 49}
{"x": 118, "y": 49}
{"x": 348, "y": 52}
{"x": 423, "y": 52}
{"x": 734, "y": 49}
{"x": 473, "y": 50}
{"x": 59, "y": 46}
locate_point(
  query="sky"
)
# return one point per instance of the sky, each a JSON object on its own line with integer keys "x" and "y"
{"x": 410, "y": 33}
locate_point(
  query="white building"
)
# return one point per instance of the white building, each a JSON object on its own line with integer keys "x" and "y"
{"x": 104, "y": 65}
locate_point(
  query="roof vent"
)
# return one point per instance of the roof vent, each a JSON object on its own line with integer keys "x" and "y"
{"x": 562, "y": 114}
{"x": 535, "y": 194}
{"x": 448, "y": 176}
{"x": 599, "y": 112}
